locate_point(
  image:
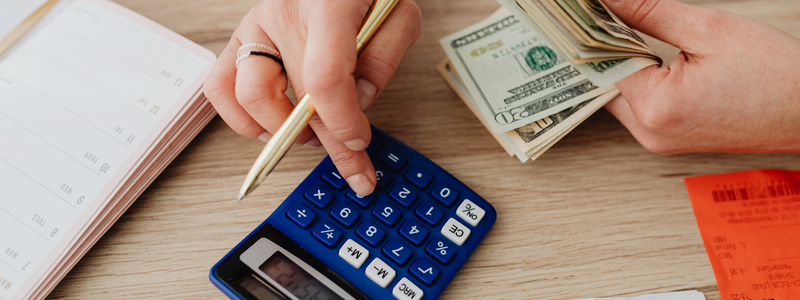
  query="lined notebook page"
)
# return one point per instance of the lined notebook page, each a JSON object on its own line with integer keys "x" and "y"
{"x": 80, "y": 102}
{"x": 13, "y": 12}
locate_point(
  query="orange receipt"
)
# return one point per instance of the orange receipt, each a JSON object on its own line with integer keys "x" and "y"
{"x": 750, "y": 223}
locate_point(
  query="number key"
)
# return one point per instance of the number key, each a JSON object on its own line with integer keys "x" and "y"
{"x": 429, "y": 214}
{"x": 370, "y": 233}
{"x": 397, "y": 252}
{"x": 386, "y": 213}
{"x": 361, "y": 201}
{"x": 444, "y": 194}
{"x": 413, "y": 232}
{"x": 383, "y": 177}
{"x": 344, "y": 214}
{"x": 403, "y": 195}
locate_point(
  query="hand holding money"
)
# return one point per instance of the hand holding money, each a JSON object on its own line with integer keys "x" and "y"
{"x": 735, "y": 87}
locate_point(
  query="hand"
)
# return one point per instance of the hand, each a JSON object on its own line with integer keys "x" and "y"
{"x": 317, "y": 41}
{"x": 735, "y": 86}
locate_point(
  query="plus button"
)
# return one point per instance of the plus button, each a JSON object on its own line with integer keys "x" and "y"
{"x": 319, "y": 194}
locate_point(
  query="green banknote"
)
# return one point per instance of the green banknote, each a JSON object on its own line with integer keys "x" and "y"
{"x": 515, "y": 76}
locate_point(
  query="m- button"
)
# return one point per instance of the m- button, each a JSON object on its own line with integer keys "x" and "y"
{"x": 455, "y": 231}
{"x": 470, "y": 212}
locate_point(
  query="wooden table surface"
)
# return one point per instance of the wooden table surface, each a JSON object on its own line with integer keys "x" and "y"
{"x": 595, "y": 216}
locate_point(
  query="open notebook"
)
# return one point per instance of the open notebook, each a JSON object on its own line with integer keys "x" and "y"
{"x": 95, "y": 101}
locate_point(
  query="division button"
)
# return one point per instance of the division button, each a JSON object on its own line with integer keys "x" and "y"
{"x": 423, "y": 270}
{"x": 397, "y": 252}
{"x": 353, "y": 253}
{"x": 318, "y": 196}
{"x": 444, "y": 194}
{"x": 440, "y": 250}
{"x": 380, "y": 272}
{"x": 333, "y": 177}
{"x": 393, "y": 159}
{"x": 406, "y": 290}
{"x": 470, "y": 212}
{"x": 327, "y": 234}
{"x": 301, "y": 215}
{"x": 455, "y": 231}
{"x": 418, "y": 177}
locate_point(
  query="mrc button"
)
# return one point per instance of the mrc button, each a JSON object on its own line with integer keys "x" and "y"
{"x": 405, "y": 290}
{"x": 470, "y": 212}
{"x": 455, "y": 231}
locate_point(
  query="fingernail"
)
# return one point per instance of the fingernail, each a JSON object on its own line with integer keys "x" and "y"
{"x": 365, "y": 92}
{"x": 357, "y": 144}
{"x": 360, "y": 184}
{"x": 264, "y": 137}
{"x": 314, "y": 142}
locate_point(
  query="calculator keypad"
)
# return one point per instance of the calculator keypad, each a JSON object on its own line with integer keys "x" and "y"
{"x": 318, "y": 196}
{"x": 344, "y": 214}
{"x": 387, "y": 214}
{"x": 353, "y": 253}
{"x": 301, "y": 215}
{"x": 403, "y": 195}
{"x": 327, "y": 234}
{"x": 407, "y": 228}
{"x": 370, "y": 233}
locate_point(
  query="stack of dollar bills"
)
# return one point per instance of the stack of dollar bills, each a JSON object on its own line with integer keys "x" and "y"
{"x": 535, "y": 71}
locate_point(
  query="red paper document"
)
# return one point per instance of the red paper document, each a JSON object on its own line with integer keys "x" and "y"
{"x": 750, "y": 223}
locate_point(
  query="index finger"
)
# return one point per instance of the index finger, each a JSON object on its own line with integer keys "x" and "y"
{"x": 329, "y": 66}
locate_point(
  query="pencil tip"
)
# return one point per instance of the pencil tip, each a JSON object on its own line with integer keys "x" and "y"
{"x": 241, "y": 196}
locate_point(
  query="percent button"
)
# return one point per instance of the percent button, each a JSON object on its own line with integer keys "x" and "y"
{"x": 470, "y": 212}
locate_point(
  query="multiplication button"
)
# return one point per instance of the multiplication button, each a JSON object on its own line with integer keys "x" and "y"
{"x": 470, "y": 212}
{"x": 380, "y": 272}
{"x": 318, "y": 196}
{"x": 353, "y": 253}
{"x": 455, "y": 231}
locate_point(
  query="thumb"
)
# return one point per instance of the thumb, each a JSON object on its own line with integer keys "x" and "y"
{"x": 667, "y": 20}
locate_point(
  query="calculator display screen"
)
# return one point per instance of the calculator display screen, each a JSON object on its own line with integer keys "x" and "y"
{"x": 295, "y": 279}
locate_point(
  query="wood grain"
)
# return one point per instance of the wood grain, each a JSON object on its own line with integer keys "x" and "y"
{"x": 596, "y": 216}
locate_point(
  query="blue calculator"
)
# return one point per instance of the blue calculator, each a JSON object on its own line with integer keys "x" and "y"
{"x": 406, "y": 241}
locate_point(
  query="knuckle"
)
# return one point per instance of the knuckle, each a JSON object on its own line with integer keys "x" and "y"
{"x": 326, "y": 78}
{"x": 345, "y": 162}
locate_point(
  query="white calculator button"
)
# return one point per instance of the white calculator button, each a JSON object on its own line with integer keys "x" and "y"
{"x": 455, "y": 231}
{"x": 353, "y": 253}
{"x": 405, "y": 290}
{"x": 470, "y": 212}
{"x": 380, "y": 272}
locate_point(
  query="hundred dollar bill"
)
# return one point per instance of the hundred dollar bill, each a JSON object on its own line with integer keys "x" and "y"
{"x": 531, "y": 140}
{"x": 513, "y": 74}
{"x": 602, "y": 73}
